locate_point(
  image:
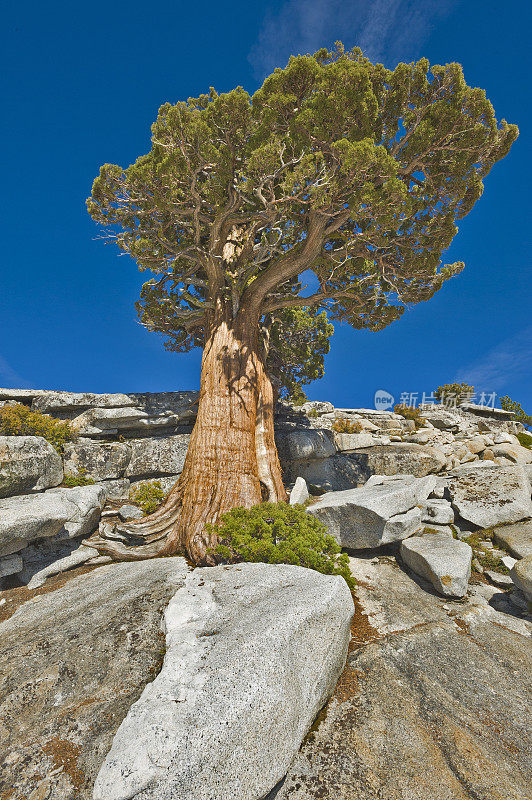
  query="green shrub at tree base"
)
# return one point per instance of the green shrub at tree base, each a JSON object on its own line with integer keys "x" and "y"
{"x": 19, "y": 420}
{"x": 148, "y": 496}
{"x": 279, "y": 534}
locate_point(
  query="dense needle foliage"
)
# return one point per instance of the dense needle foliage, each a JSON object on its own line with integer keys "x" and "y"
{"x": 279, "y": 534}
{"x": 454, "y": 393}
{"x": 336, "y": 168}
{"x": 298, "y": 344}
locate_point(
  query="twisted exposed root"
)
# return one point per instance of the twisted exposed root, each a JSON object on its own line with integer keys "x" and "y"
{"x": 122, "y": 552}
{"x": 143, "y": 538}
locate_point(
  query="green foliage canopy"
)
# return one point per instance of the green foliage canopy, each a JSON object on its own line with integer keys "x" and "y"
{"x": 298, "y": 342}
{"x": 335, "y": 165}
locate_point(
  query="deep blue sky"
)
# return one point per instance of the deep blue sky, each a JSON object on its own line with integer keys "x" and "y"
{"x": 81, "y": 84}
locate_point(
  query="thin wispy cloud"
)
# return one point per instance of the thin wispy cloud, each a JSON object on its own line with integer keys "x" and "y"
{"x": 386, "y": 30}
{"x": 9, "y": 379}
{"x": 499, "y": 368}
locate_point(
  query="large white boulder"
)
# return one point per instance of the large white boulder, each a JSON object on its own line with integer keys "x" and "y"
{"x": 374, "y": 515}
{"x": 69, "y": 513}
{"x": 116, "y": 489}
{"x": 316, "y": 407}
{"x": 253, "y": 651}
{"x": 444, "y": 561}
{"x": 52, "y": 402}
{"x": 105, "y": 421}
{"x": 438, "y": 512}
{"x": 27, "y": 464}
{"x": 491, "y": 495}
{"x": 443, "y": 418}
{"x": 334, "y": 474}
{"x": 354, "y": 441}
{"x": 488, "y": 413}
{"x": 513, "y": 452}
{"x": 73, "y": 660}
{"x": 141, "y": 413}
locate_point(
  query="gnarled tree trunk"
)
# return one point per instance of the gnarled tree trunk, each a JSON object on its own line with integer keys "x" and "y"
{"x": 231, "y": 460}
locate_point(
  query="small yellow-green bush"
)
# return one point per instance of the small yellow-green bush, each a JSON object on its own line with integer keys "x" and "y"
{"x": 455, "y": 392}
{"x": 344, "y": 425}
{"x": 19, "y": 420}
{"x": 279, "y": 534}
{"x": 409, "y": 412}
{"x": 148, "y": 496}
{"x": 80, "y": 479}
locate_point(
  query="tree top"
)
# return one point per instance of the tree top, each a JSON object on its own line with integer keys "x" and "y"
{"x": 336, "y": 166}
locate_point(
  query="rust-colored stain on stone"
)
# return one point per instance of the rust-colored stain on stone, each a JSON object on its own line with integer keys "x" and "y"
{"x": 65, "y": 754}
{"x": 362, "y": 632}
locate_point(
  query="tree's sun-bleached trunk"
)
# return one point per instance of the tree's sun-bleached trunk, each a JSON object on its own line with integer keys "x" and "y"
{"x": 231, "y": 461}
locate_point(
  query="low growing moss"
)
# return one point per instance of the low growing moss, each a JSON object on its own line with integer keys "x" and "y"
{"x": 19, "y": 420}
{"x": 279, "y": 534}
{"x": 486, "y": 558}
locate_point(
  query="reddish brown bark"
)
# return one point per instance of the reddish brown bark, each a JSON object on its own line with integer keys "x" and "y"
{"x": 231, "y": 460}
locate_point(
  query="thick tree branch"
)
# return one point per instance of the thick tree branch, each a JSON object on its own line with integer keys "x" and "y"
{"x": 288, "y": 266}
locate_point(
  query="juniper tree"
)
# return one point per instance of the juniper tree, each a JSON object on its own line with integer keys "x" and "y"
{"x": 336, "y": 168}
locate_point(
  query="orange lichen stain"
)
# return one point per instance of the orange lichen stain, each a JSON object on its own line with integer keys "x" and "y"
{"x": 362, "y": 633}
{"x": 462, "y": 625}
{"x": 65, "y": 755}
